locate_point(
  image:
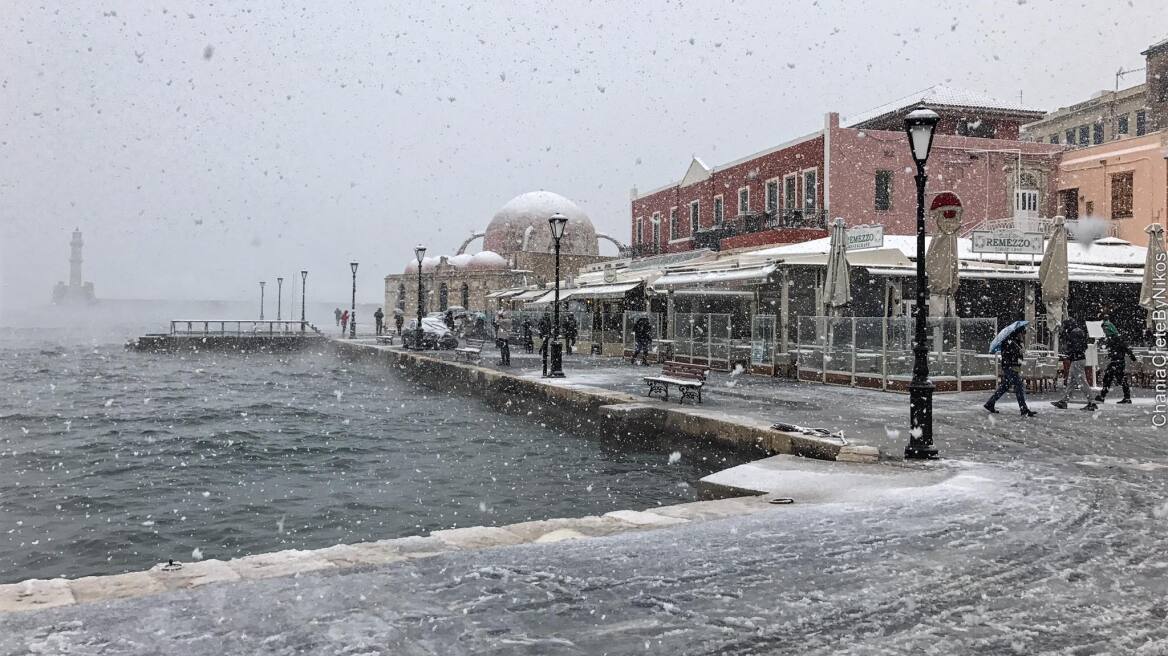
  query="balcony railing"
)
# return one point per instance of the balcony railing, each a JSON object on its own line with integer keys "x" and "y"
{"x": 802, "y": 218}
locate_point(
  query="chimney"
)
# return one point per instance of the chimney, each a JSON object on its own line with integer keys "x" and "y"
{"x": 1156, "y": 86}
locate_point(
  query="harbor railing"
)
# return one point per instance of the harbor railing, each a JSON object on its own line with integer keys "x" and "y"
{"x": 239, "y": 328}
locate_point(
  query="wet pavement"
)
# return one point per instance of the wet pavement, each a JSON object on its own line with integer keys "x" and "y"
{"x": 1045, "y": 535}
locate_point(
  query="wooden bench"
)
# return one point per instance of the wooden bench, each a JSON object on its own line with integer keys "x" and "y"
{"x": 687, "y": 378}
{"x": 472, "y": 350}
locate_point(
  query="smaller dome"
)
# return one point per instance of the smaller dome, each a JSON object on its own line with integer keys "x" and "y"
{"x": 487, "y": 261}
{"x": 459, "y": 261}
{"x": 428, "y": 264}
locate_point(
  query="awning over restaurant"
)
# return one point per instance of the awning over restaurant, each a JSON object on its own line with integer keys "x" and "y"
{"x": 529, "y": 295}
{"x": 602, "y": 292}
{"x": 504, "y": 293}
{"x": 720, "y": 278}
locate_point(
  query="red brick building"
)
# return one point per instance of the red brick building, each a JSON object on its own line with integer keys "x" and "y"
{"x": 862, "y": 171}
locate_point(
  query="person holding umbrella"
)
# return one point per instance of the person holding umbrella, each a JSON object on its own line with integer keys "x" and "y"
{"x": 1117, "y": 350}
{"x": 1009, "y": 343}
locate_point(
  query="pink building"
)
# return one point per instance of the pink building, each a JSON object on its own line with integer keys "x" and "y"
{"x": 861, "y": 171}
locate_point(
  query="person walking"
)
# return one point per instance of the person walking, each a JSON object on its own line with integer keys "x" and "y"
{"x": 398, "y": 321}
{"x": 1074, "y": 343}
{"x": 449, "y": 320}
{"x": 1011, "y": 359}
{"x": 503, "y": 337}
{"x": 337, "y": 314}
{"x": 571, "y": 329}
{"x": 642, "y": 339}
{"x": 379, "y": 320}
{"x": 1117, "y": 350}
{"x": 528, "y": 341}
{"x": 344, "y": 322}
{"x": 545, "y": 333}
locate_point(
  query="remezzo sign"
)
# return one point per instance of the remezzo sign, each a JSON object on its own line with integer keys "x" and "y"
{"x": 865, "y": 237}
{"x": 1007, "y": 241}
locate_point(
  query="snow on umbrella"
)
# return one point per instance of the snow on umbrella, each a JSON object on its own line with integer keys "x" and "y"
{"x": 1154, "y": 256}
{"x": 1052, "y": 274}
{"x": 837, "y": 284}
{"x": 996, "y": 345}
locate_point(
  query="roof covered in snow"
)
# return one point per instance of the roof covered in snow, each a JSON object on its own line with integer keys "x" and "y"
{"x": 941, "y": 95}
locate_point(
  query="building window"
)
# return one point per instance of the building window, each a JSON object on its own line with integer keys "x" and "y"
{"x": 465, "y": 296}
{"x": 640, "y": 230}
{"x": 656, "y": 223}
{"x": 443, "y": 297}
{"x": 976, "y": 127}
{"x": 1054, "y": 138}
{"x": 674, "y": 228}
{"x": 719, "y": 211}
{"x": 694, "y": 215}
{"x": 1141, "y": 123}
{"x": 1070, "y": 135}
{"x": 789, "y": 202}
{"x": 1121, "y": 195}
{"x": 1026, "y": 202}
{"x": 744, "y": 201}
{"x": 1097, "y": 133}
{"x": 772, "y": 196}
{"x": 1069, "y": 202}
{"x": 810, "y": 187}
{"x": 1084, "y": 135}
{"x": 883, "y": 191}
{"x": 1121, "y": 126}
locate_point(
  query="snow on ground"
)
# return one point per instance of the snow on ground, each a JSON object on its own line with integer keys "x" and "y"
{"x": 1042, "y": 536}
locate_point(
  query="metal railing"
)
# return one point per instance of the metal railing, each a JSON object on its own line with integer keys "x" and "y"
{"x": 239, "y": 328}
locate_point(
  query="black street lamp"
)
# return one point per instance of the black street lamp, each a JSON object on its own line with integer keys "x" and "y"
{"x": 420, "y": 253}
{"x": 919, "y": 125}
{"x": 557, "y": 222}
{"x": 303, "y": 280}
{"x": 262, "y": 283}
{"x": 280, "y": 299}
{"x": 353, "y": 309}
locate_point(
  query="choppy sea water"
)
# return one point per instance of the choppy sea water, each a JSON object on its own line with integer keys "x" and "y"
{"x": 112, "y": 461}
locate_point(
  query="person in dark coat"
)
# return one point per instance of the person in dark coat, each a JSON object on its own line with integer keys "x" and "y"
{"x": 642, "y": 339}
{"x": 1011, "y": 356}
{"x": 379, "y": 320}
{"x": 1117, "y": 350}
{"x": 528, "y": 340}
{"x": 337, "y": 314}
{"x": 545, "y": 333}
{"x": 1073, "y": 341}
{"x": 449, "y": 320}
{"x": 571, "y": 329}
{"x": 399, "y": 321}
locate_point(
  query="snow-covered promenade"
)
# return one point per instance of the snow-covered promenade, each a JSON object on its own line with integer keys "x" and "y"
{"x": 1032, "y": 536}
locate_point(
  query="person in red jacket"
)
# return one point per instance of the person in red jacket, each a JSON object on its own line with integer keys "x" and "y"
{"x": 344, "y": 321}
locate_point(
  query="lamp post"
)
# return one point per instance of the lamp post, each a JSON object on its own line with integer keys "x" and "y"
{"x": 303, "y": 280}
{"x": 280, "y": 299}
{"x": 353, "y": 308}
{"x": 262, "y": 283}
{"x": 919, "y": 125}
{"x": 420, "y": 253}
{"x": 557, "y": 222}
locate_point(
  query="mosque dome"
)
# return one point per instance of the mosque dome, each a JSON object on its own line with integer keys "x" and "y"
{"x": 486, "y": 261}
{"x": 522, "y": 225}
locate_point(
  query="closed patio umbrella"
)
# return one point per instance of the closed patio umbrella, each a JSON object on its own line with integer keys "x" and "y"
{"x": 1154, "y": 255}
{"x": 837, "y": 283}
{"x": 941, "y": 258}
{"x": 1052, "y": 275}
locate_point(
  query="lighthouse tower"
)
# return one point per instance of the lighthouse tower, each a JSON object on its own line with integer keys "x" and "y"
{"x": 75, "y": 258}
{"x": 77, "y": 291}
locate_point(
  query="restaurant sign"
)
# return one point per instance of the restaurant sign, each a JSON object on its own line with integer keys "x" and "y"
{"x": 1007, "y": 241}
{"x": 865, "y": 237}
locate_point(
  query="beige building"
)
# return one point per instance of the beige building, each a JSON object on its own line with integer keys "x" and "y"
{"x": 519, "y": 251}
{"x": 1115, "y": 166}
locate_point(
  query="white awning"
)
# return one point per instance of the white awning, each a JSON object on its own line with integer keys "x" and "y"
{"x": 1007, "y": 274}
{"x": 529, "y": 295}
{"x": 504, "y": 293}
{"x": 723, "y": 277}
{"x": 600, "y": 292}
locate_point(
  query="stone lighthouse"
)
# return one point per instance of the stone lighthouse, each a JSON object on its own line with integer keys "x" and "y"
{"x": 77, "y": 291}
{"x": 75, "y": 258}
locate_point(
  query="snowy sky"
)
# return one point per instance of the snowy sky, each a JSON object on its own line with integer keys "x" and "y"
{"x": 203, "y": 147}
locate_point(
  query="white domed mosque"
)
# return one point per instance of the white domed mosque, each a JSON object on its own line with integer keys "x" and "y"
{"x": 518, "y": 250}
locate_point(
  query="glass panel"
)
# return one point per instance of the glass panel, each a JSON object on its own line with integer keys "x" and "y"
{"x": 762, "y": 339}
